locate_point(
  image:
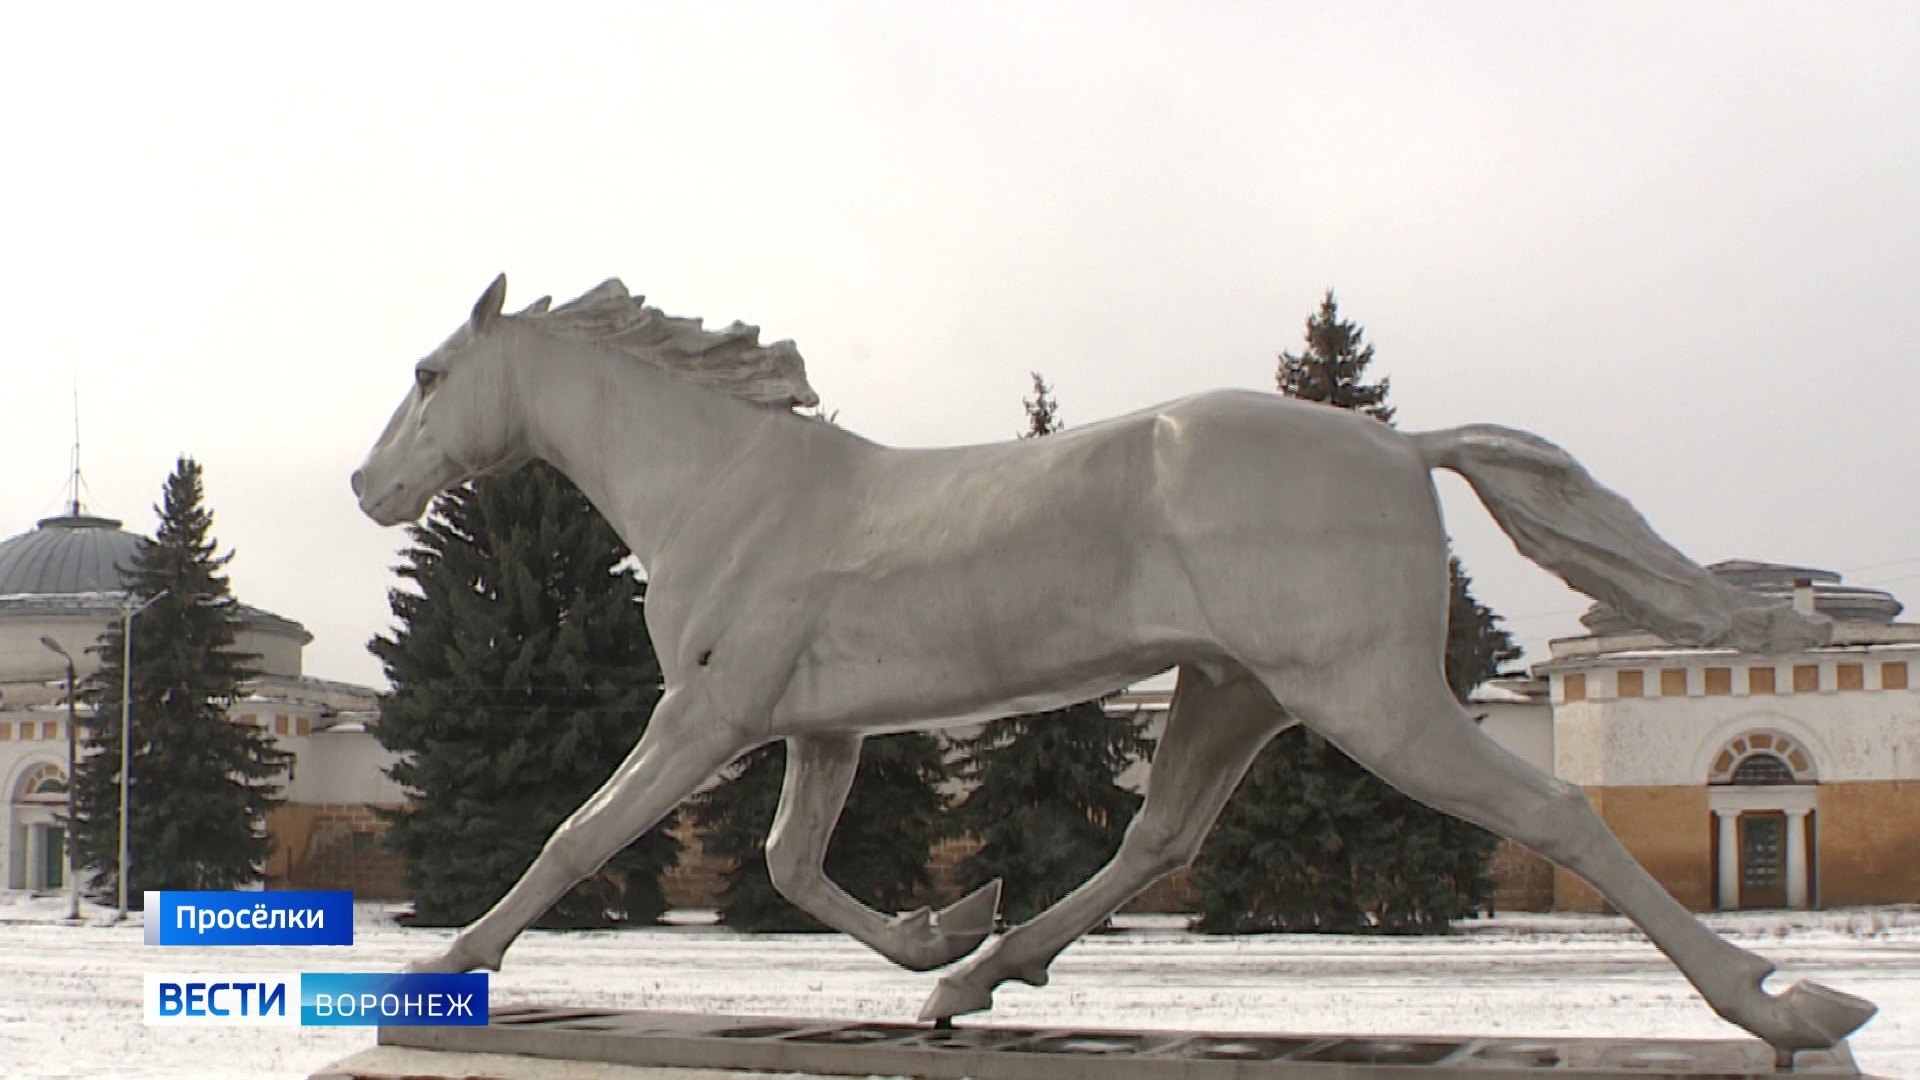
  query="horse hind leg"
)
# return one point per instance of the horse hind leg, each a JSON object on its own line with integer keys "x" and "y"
{"x": 820, "y": 772}
{"x": 1213, "y": 731}
{"x": 1404, "y": 725}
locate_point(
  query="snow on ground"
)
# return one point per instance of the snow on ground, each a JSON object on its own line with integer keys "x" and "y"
{"x": 70, "y": 995}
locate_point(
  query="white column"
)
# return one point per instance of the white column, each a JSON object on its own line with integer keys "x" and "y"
{"x": 36, "y": 857}
{"x": 1797, "y": 858}
{"x": 1729, "y": 892}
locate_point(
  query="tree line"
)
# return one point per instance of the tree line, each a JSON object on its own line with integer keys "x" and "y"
{"x": 521, "y": 674}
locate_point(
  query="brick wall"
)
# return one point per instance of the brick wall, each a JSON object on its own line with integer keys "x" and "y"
{"x": 943, "y": 866}
{"x": 1522, "y": 880}
{"x": 696, "y": 880}
{"x": 1861, "y": 828}
{"x": 318, "y": 850}
{"x": 1171, "y": 895}
{"x": 333, "y": 846}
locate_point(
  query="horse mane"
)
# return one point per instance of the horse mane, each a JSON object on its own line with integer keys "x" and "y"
{"x": 730, "y": 360}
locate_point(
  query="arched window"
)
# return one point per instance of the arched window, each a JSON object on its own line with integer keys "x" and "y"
{"x": 43, "y": 784}
{"x": 1761, "y": 758}
{"x": 1762, "y": 768}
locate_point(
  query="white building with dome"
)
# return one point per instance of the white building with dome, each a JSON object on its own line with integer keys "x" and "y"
{"x": 61, "y": 586}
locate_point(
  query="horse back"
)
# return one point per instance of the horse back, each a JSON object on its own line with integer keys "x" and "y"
{"x": 1047, "y": 568}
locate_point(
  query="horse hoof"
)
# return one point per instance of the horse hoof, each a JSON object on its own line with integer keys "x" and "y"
{"x": 953, "y": 998}
{"x": 917, "y": 923}
{"x": 456, "y": 959}
{"x": 974, "y": 914}
{"x": 1821, "y": 1016}
{"x": 924, "y": 941}
{"x": 442, "y": 964}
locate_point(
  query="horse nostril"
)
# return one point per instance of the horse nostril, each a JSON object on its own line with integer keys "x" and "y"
{"x": 359, "y": 483}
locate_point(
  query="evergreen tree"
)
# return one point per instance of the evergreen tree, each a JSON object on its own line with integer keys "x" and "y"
{"x": 1310, "y": 839}
{"x": 1044, "y": 799}
{"x": 1334, "y": 367}
{"x": 199, "y": 784}
{"x": 522, "y": 675}
{"x": 1477, "y": 645}
{"x": 1043, "y": 410}
{"x": 880, "y": 849}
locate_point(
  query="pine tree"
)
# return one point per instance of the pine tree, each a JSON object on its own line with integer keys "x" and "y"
{"x": 199, "y": 784}
{"x": 1310, "y": 839}
{"x": 880, "y": 849}
{"x": 1044, "y": 799}
{"x": 521, "y": 675}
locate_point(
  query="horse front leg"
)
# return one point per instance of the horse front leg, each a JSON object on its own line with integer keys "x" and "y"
{"x": 1212, "y": 733}
{"x": 820, "y": 771}
{"x": 681, "y": 749}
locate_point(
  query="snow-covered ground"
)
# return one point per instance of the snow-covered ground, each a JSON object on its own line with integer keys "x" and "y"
{"x": 70, "y": 995}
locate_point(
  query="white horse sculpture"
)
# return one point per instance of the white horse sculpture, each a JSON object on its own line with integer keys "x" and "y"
{"x": 809, "y": 585}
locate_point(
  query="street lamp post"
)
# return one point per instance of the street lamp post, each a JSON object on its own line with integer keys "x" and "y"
{"x": 126, "y": 734}
{"x": 73, "y": 776}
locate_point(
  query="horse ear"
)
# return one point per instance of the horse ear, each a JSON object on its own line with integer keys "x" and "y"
{"x": 538, "y": 307}
{"x": 487, "y": 308}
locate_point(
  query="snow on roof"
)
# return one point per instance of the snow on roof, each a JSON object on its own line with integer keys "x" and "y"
{"x": 1493, "y": 693}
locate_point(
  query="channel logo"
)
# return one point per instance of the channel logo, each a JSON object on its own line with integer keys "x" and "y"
{"x": 409, "y": 999}
{"x": 254, "y": 998}
{"x": 249, "y": 918}
{"x": 325, "y": 999}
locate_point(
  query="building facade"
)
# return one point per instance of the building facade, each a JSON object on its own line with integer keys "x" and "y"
{"x": 60, "y": 588}
{"x": 1746, "y": 780}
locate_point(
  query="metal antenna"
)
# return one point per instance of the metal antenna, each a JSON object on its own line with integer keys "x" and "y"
{"x": 75, "y": 483}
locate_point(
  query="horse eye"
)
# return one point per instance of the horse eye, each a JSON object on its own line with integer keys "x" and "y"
{"x": 425, "y": 377}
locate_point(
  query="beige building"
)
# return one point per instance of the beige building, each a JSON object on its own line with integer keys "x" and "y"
{"x": 60, "y": 588}
{"x": 1738, "y": 780}
{"x": 1741, "y": 780}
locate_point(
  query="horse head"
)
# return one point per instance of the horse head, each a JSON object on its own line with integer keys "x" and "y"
{"x": 456, "y": 422}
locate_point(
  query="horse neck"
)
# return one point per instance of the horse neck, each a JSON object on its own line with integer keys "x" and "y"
{"x": 639, "y": 441}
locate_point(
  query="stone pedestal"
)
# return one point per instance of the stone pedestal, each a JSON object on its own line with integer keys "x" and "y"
{"x": 602, "y": 1044}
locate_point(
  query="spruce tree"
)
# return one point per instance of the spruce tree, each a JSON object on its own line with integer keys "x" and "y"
{"x": 199, "y": 784}
{"x": 1477, "y": 645}
{"x": 880, "y": 849}
{"x": 1044, "y": 799}
{"x": 521, "y": 675}
{"x": 1333, "y": 369}
{"x": 1310, "y": 839}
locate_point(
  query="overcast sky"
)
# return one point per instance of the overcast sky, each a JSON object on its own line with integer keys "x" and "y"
{"x": 1683, "y": 241}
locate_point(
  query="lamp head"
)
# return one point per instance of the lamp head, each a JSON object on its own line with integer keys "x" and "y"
{"x": 55, "y": 647}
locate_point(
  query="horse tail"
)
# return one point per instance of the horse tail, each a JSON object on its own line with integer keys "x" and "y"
{"x": 1559, "y": 516}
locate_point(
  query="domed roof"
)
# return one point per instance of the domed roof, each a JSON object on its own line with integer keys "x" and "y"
{"x": 74, "y": 565}
{"x": 1777, "y": 582}
{"x": 73, "y": 553}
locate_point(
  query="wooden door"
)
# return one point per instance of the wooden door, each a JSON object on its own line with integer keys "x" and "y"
{"x": 53, "y": 853}
{"x": 1763, "y": 860}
